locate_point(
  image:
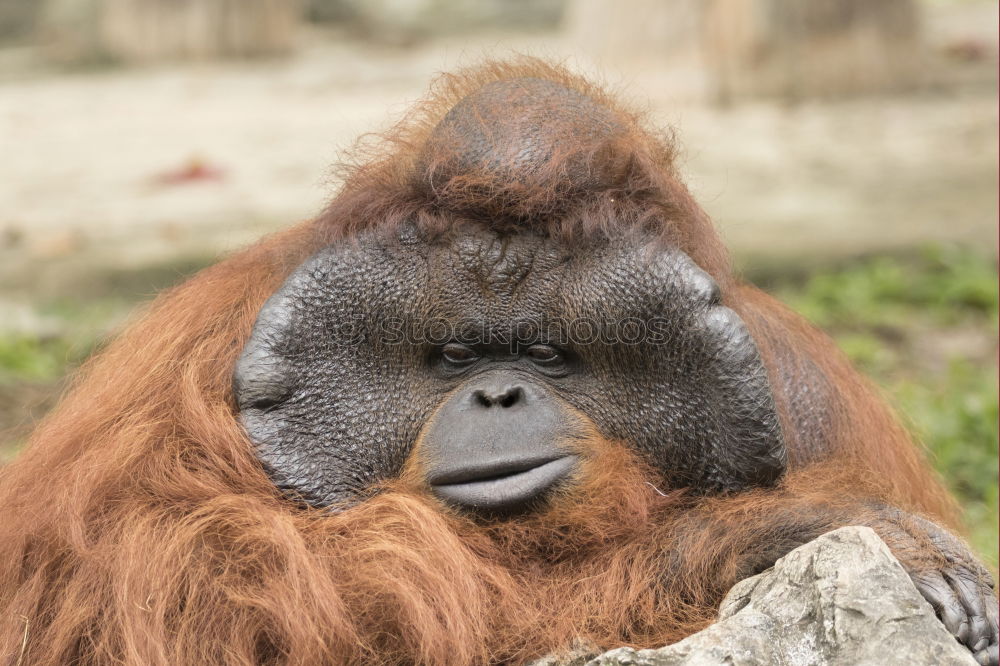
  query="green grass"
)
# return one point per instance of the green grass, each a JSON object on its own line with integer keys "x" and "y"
{"x": 28, "y": 359}
{"x": 947, "y": 284}
{"x": 924, "y": 326}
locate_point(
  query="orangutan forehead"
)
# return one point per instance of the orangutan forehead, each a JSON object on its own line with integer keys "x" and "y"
{"x": 501, "y": 262}
{"x": 482, "y": 273}
{"x": 509, "y": 131}
{"x": 520, "y": 139}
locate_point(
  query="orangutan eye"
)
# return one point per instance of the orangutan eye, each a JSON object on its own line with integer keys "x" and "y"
{"x": 457, "y": 354}
{"x": 544, "y": 355}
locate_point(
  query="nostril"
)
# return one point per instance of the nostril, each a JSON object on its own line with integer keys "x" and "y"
{"x": 511, "y": 397}
{"x": 507, "y": 397}
{"x": 482, "y": 399}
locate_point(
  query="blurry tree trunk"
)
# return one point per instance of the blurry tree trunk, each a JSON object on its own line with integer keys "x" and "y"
{"x": 653, "y": 43}
{"x": 748, "y": 48}
{"x": 155, "y": 30}
{"x": 818, "y": 48}
{"x": 17, "y": 19}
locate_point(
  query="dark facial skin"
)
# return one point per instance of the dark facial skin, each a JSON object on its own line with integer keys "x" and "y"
{"x": 500, "y": 341}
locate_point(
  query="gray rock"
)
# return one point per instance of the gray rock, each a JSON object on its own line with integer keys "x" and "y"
{"x": 841, "y": 600}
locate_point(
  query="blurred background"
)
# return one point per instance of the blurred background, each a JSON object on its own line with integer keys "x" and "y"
{"x": 847, "y": 150}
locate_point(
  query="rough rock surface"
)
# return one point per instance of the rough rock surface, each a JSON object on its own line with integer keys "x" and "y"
{"x": 841, "y": 600}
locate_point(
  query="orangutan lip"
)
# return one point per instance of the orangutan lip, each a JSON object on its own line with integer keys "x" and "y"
{"x": 502, "y": 488}
{"x": 489, "y": 470}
